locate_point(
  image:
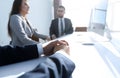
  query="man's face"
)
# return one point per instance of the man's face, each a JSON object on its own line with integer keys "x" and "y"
{"x": 60, "y": 12}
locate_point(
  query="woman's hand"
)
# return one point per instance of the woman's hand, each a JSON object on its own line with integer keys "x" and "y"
{"x": 48, "y": 38}
{"x": 53, "y": 37}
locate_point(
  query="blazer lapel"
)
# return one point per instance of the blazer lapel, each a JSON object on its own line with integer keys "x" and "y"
{"x": 65, "y": 21}
{"x": 27, "y": 28}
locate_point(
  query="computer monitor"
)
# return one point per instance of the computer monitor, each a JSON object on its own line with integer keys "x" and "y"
{"x": 98, "y": 17}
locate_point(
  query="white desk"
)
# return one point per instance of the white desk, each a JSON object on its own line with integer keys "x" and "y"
{"x": 100, "y": 60}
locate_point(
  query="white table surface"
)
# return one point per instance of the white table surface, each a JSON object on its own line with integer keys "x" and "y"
{"x": 94, "y": 57}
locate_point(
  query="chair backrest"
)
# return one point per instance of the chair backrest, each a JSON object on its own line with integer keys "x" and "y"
{"x": 81, "y": 29}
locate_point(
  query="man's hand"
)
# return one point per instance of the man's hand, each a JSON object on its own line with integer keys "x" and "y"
{"x": 54, "y": 46}
{"x": 49, "y": 49}
{"x": 64, "y": 46}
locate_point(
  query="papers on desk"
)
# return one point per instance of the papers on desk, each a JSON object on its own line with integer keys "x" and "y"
{"x": 98, "y": 38}
{"x": 89, "y": 38}
{"x": 85, "y": 40}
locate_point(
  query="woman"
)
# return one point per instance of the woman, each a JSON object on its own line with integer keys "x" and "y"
{"x": 19, "y": 29}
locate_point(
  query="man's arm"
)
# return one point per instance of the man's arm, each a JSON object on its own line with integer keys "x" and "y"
{"x": 52, "y": 30}
{"x": 10, "y": 54}
{"x": 64, "y": 65}
{"x": 55, "y": 66}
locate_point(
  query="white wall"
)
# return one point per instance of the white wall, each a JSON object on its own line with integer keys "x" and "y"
{"x": 40, "y": 16}
{"x": 5, "y": 6}
{"x": 79, "y": 11}
{"x": 113, "y": 15}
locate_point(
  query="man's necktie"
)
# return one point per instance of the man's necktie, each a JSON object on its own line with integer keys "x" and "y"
{"x": 61, "y": 23}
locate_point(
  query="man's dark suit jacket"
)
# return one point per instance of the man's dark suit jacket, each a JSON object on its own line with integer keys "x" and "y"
{"x": 10, "y": 54}
{"x": 54, "y": 27}
{"x": 55, "y": 66}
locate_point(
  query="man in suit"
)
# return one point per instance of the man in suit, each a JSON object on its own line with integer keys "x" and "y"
{"x": 56, "y": 65}
{"x": 60, "y": 26}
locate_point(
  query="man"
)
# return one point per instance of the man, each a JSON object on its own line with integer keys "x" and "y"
{"x": 60, "y": 26}
{"x": 57, "y": 64}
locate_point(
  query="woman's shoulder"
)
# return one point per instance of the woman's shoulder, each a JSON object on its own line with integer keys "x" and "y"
{"x": 15, "y": 16}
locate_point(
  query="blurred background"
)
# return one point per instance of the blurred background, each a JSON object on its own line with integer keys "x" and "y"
{"x": 82, "y": 13}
